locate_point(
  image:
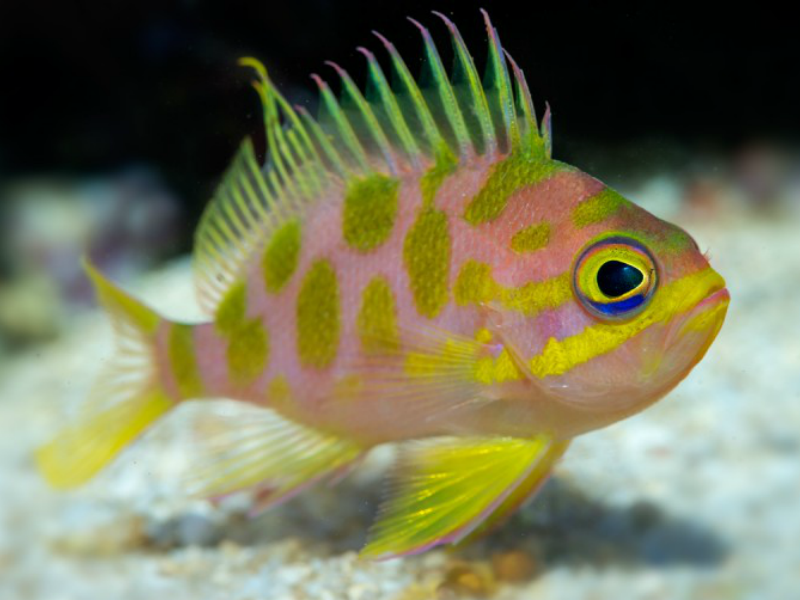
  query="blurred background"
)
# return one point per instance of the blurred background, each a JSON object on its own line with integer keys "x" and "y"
{"x": 116, "y": 122}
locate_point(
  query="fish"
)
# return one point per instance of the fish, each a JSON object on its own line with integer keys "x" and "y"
{"x": 409, "y": 267}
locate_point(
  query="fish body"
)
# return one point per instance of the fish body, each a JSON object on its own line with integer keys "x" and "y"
{"x": 411, "y": 268}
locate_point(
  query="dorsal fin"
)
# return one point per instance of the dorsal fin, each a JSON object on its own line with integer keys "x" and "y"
{"x": 402, "y": 128}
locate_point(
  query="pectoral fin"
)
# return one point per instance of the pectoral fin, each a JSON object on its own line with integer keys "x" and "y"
{"x": 525, "y": 490}
{"x": 446, "y": 488}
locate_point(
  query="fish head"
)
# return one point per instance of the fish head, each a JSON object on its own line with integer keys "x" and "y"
{"x": 642, "y": 309}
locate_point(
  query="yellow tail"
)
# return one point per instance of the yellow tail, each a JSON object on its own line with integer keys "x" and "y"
{"x": 127, "y": 398}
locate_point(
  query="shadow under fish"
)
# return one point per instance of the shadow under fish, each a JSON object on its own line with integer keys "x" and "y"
{"x": 564, "y": 525}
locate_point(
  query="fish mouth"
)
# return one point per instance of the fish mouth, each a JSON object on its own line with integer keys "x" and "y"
{"x": 703, "y": 313}
{"x": 705, "y": 318}
{"x": 717, "y": 298}
{"x": 719, "y": 294}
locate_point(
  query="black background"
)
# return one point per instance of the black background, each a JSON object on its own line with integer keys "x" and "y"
{"x": 92, "y": 86}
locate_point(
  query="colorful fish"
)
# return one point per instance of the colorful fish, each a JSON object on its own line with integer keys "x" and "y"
{"x": 410, "y": 266}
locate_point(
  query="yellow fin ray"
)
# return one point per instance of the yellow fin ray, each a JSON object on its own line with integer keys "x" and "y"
{"x": 524, "y": 491}
{"x": 444, "y": 488}
{"x": 124, "y": 402}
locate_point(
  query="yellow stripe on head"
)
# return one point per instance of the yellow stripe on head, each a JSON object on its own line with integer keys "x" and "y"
{"x": 560, "y": 356}
{"x": 475, "y": 285}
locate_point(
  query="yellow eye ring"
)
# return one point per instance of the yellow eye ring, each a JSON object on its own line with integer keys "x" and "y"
{"x": 615, "y": 278}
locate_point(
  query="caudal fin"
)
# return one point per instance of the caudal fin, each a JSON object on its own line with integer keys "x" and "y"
{"x": 127, "y": 398}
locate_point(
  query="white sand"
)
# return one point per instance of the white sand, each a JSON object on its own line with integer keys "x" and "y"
{"x": 698, "y": 497}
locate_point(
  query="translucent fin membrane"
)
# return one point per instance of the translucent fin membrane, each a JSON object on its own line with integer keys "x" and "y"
{"x": 393, "y": 129}
{"x": 255, "y": 448}
{"x": 125, "y": 401}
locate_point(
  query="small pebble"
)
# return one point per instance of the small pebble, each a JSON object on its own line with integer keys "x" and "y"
{"x": 513, "y": 566}
{"x": 465, "y": 581}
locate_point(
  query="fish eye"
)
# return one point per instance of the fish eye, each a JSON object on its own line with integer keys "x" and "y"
{"x": 615, "y": 278}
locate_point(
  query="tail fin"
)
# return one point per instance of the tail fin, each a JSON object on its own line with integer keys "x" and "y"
{"x": 127, "y": 398}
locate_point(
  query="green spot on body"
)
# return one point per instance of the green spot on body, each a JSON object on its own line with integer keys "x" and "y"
{"x": 279, "y": 392}
{"x": 231, "y": 310}
{"x": 377, "y": 320}
{"x": 248, "y": 350}
{"x": 426, "y": 254}
{"x": 507, "y": 177}
{"x": 183, "y": 362}
{"x": 318, "y": 318}
{"x": 280, "y": 256}
{"x": 474, "y": 284}
{"x": 248, "y": 343}
{"x": 446, "y": 164}
{"x": 370, "y": 208}
{"x": 531, "y": 238}
{"x": 597, "y": 208}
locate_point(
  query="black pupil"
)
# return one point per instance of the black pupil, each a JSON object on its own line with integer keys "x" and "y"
{"x": 617, "y": 278}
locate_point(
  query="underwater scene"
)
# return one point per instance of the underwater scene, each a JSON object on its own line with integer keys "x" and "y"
{"x": 429, "y": 300}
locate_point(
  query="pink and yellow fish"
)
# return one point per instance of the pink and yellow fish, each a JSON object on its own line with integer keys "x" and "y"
{"x": 410, "y": 266}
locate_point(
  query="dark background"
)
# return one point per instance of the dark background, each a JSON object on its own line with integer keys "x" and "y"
{"x": 90, "y": 87}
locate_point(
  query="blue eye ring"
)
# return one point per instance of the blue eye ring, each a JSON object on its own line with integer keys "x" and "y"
{"x": 614, "y": 278}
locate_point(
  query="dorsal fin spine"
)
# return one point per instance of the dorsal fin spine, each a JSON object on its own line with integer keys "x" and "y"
{"x": 235, "y": 209}
{"x": 280, "y": 199}
{"x": 349, "y": 136}
{"x": 429, "y": 127}
{"x": 392, "y": 109}
{"x": 250, "y": 224}
{"x": 308, "y": 166}
{"x": 276, "y": 142}
{"x": 498, "y": 77}
{"x": 463, "y": 57}
{"x": 291, "y": 166}
{"x": 547, "y": 132}
{"x": 217, "y": 242}
{"x": 523, "y": 99}
{"x": 298, "y": 126}
{"x": 211, "y": 230}
{"x": 268, "y": 95}
{"x": 228, "y": 224}
{"x": 294, "y": 158}
{"x": 324, "y": 143}
{"x": 291, "y": 142}
{"x": 447, "y": 96}
{"x": 247, "y": 209}
{"x": 308, "y": 158}
{"x": 255, "y": 175}
{"x": 374, "y": 127}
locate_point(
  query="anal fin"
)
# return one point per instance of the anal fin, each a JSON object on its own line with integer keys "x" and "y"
{"x": 445, "y": 488}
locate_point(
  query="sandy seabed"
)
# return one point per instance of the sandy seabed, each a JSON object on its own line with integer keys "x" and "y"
{"x": 698, "y": 497}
